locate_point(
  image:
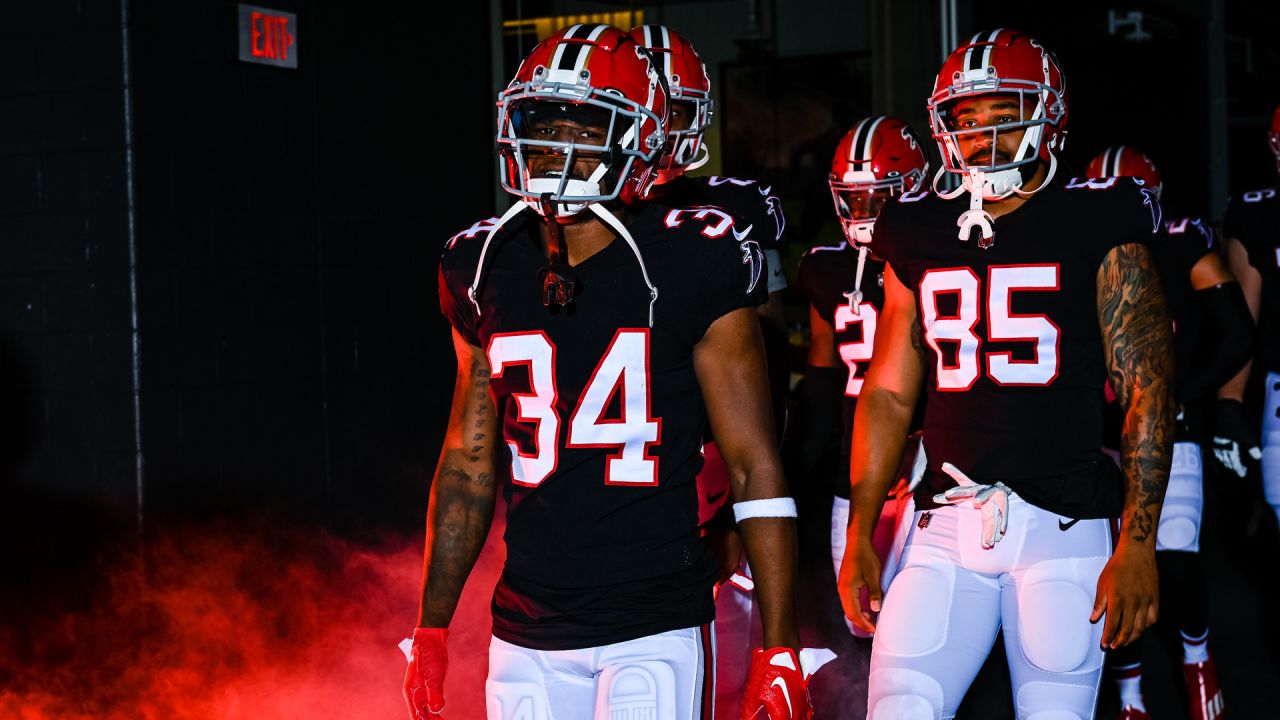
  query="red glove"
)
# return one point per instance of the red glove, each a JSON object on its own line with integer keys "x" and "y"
{"x": 776, "y": 687}
{"x": 424, "y": 681}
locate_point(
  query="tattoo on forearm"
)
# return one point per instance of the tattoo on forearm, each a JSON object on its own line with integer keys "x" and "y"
{"x": 462, "y": 503}
{"x": 1137, "y": 334}
{"x": 917, "y": 338}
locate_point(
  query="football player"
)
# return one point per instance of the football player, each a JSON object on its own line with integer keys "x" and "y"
{"x": 1252, "y": 230}
{"x": 686, "y": 150}
{"x": 599, "y": 337}
{"x": 1048, "y": 290}
{"x": 875, "y": 162}
{"x": 1212, "y": 338}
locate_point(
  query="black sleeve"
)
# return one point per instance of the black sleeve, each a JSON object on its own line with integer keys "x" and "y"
{"x": 457, "y": 310}
{"x": 734, "y": 277}
{"x": 1227, "y": 331}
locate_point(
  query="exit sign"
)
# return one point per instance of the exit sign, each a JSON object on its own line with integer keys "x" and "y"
{"x": 268, "y": 37}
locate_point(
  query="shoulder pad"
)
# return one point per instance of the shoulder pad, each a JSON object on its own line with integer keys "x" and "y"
{"x": 1257, "y": 196}
{"x": 824, "y": 248}
{"x": 1105, "y": 183}
{"x": 717, "y": 181}
{"x": 1187, "y": 225}
{"x": 479, "y": 229}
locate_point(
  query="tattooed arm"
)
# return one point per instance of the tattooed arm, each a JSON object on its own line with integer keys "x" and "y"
{"x": 1137, "y": 337}
{"x": 463, "y": 493}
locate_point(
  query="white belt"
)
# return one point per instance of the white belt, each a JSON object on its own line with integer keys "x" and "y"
{"x": 992, "y": 500}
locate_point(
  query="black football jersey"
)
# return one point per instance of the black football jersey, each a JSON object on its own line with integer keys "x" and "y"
{"x": 1182, "y": 244}
{"x": 825, "y": 275}
{"x": 752, "y": 201}
{"x": 1014, "y": 355}
{"x": 603, "y": 418}
{"x": 1254, "y": 219}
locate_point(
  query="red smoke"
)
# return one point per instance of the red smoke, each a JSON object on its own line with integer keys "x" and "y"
{"x": 220, "y": 621}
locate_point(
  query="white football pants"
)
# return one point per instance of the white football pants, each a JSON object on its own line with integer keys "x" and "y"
{"x": 950, "y": 597}
{"x": 669, "y": 675}
{"x": 1271, "y": 443}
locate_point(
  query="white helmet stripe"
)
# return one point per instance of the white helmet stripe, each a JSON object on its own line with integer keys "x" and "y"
{"x": 986, "y": 52}
{"x": 866, "y": 143}
{"x": 968, "y": 54}
{"x": 856, "y": 143}
{"x": 1115, "y": 167}
{"x": 666, "y": 56}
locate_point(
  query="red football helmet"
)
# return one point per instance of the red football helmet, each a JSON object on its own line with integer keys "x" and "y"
{"x": 687, "y": 79}
{"x": 1273, "y": 135}
{"x": 1124, "y": 161}
{"x": 597, "y": 82}
{"x": 878, "y": 159}
{"x": 1003, "y": 62}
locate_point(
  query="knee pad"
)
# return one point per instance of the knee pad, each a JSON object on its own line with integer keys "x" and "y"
{"x": 923, "y": 590}
{"x": 1053, "y": 627}
{"x": 644, "y": 689}
{"x": 1271, "y": 468}
{"x": 1056, "y": 701}
{"x": 515, "y": 700}
{"x": 901, "y": 694}
{"x": 1184, "y": 500}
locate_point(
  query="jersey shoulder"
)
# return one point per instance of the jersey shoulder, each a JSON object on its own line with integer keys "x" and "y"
{"x": 822, "y": 265}
{"x": 1130, "y": 212}
{"x": 754, "y": 200}
{"x": 1252, "y": 215}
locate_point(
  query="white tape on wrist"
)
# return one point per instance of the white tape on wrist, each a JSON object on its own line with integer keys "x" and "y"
{"x": 768, "y": 507}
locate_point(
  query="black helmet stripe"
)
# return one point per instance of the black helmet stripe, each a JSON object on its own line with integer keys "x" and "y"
{"x": 974, "y": 61}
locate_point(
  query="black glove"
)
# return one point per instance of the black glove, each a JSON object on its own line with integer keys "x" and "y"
{"x": 1234, "y": 439}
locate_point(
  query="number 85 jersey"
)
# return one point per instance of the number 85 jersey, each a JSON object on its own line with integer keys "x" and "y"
{"x": 603, "y": 419}
{"x": 1014, "y": 357}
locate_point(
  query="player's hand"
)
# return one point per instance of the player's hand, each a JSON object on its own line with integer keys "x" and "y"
{"x": 424, "y": 680}
{"x": 1128, "y": 594}
{"x": 859, "y": 583}
{"x": 1234, "y": 441}
{"x": 776, "y": 687}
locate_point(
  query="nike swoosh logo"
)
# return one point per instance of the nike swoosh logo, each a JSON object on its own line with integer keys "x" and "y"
{"x": 786, "y": 694}
{"x": 713, "y": 497}
{"x": 740, "y": 235}
{"x": 1065, "y": 526}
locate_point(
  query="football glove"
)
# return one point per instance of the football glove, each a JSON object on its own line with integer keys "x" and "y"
{"x": 424, "y": 680}
{"x": 1233, "y": 437}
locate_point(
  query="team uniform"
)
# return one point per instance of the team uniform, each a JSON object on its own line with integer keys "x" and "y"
{"x": 603, "y": 418}
{"x": 1015, "y": 375}
{"x": 825, "y": 279}
{"x": 1253, "y": 218}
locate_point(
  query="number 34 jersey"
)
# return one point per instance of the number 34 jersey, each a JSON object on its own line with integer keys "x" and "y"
{"x": 603, "y": 418}
{"x": 1014, "y": 355}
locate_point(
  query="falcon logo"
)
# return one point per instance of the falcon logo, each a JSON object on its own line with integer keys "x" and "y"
{"x": 774, "y": 206}
{"x": 751, "y": 255}
{"x": 1149, "y": 199}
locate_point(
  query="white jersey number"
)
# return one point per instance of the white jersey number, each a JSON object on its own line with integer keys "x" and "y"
{"x": 622, "y": 372}
{"x": 1002, "y": 325}
{"x": 857, "y": 351}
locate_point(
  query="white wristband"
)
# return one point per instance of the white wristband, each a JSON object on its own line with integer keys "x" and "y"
{"x": 768, "y": 507}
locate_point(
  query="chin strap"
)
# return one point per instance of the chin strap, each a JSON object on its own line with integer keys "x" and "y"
{"x": 557, "y": 284}
{"x": 612, "y": 221}
{"x": 473, "y": 292}
{"x": 855, "y": 297}
{"x": 704, "y": 157}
